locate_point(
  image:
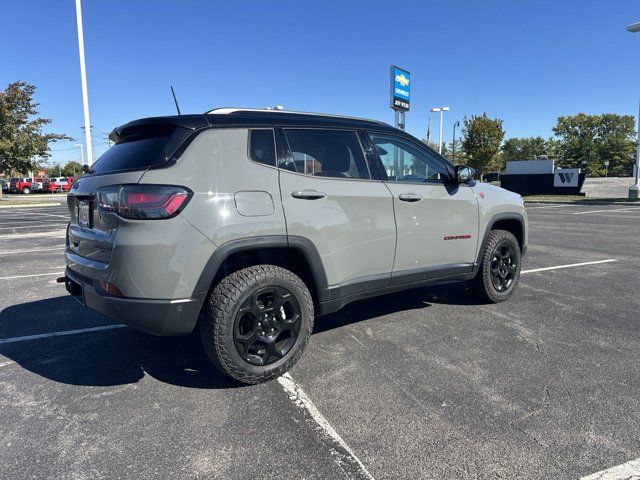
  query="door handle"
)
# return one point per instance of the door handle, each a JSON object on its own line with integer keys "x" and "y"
{"x": 308, "y": 194}
{"x": 409, "y": 197}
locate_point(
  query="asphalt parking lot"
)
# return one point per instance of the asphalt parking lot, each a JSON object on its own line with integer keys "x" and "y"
{"x": 420, "y": 384}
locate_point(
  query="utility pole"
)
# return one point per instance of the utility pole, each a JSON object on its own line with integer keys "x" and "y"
{"x": 83, "y": 80}
{"x": 634, "y": 190}
{"x": 453, "y": 143}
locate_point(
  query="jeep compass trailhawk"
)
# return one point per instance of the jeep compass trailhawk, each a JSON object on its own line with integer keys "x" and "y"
{"x": 245, "y": 224}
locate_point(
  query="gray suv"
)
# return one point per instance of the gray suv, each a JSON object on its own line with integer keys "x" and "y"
{"x": 245, "y": 224}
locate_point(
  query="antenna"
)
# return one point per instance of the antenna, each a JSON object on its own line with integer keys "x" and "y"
{"x": 175, "y": 100}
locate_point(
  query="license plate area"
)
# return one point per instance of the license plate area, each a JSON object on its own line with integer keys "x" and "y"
{"x": 84, "y": 213}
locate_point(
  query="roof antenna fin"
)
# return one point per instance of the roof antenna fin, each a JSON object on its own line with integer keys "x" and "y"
{"x": 175, "y": 100}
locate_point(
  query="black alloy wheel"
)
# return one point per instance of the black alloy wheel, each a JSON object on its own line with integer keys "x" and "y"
{"x": 504, "y": 265}
{"x": 267, "y": 325}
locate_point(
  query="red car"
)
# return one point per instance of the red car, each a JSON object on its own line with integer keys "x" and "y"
{"x": 20, "y": 185}
{"x": 60, "y": 184}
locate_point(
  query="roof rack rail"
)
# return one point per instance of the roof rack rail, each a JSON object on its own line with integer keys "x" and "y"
{"x": 230, "y": 110}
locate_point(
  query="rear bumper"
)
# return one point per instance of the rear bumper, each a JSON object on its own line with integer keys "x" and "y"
{"x": 157, "y": 317}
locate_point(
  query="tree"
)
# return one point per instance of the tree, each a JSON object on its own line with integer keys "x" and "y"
{"x": 529, "y": 148}
{"x": 21, "y": 137}
{"x": 587, "y": 141}
{"x": 71, "y": 169}
{"x": 481, "y": 139}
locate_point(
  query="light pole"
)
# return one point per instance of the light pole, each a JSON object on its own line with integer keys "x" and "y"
{"x": 83, "y": 80}
{"x": 453, "y": 142}
{"x": 635, "y": 188}
{"x": 441, "y": 110}
{"x": 81, "y": 152}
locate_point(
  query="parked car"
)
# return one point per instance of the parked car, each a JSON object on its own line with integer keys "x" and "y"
{"x": 5, "y": 185}
{"x": 492, "y": 177}
{"x": 245, "y": 224}
{"x": 40, "y": 185}
{"x": 20, "y": 185}
{"x": 60, "y": 184}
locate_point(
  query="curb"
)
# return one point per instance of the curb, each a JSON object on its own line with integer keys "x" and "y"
{"x": 32, "y": 205}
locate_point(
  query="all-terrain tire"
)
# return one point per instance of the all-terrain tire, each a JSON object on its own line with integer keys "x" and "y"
{"x": 484, "y": 283}
{"x": 221, "y": 313}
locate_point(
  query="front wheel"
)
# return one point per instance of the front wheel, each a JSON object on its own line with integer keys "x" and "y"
{"x": 499, "y": 271}
{"x": 26, "y": 190}
{"x": 257, "y": 322}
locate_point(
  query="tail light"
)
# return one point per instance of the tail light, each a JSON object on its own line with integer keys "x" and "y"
{"x": 143, "y": 202}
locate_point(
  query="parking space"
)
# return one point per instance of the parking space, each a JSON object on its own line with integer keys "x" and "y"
{"x": 419, "y": 384}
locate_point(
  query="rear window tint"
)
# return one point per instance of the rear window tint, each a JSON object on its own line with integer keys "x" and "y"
{"x": 262, "y": 147}
{"x": 142, "y": 148}
{"x": 133, "y": 155}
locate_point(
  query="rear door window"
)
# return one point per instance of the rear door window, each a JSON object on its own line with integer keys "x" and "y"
{"x": 327, "y": 153}
{"x": 262, "y": 147}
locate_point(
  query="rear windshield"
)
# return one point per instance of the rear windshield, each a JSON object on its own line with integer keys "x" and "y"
{"x": 135, "y": 155}
{"x": 142, "y": 149}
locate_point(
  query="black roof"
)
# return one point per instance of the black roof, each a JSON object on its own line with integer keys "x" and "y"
{"x": 250, "y": 117}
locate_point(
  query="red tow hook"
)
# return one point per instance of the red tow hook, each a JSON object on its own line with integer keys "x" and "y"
{"x": 61, "y": 280}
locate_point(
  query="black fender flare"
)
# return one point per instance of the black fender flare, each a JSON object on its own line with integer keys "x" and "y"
{"x": 300, "y": 244}
{"x": 496, "y": 218}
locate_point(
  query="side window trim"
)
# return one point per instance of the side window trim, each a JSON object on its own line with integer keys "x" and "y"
{"x": 423, "y": 148}
{"x": 284, "y": 153}
{"x": 376, "y": 168}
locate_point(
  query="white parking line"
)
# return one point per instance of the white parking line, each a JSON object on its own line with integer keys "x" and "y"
{"x": 52, "y": 233}
{"x": 554, "y": 206}
{"x": 44, "y": 214}
{"x": 609, "y": 210}
{"x": 49, "y": 225}
{"x": 32, "y": 205}
{"x": 558, "y": 267}
{"x": 59, "y": 334}
{"x": 628, "y": 471}
{"x": 15, "y": 252}
{"x": 32, "y": 275}
{"x": 340, "y": 451}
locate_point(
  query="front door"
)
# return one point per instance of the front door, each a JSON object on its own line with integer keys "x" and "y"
{"x": 330, "y": 197}
{"x": 437, "y": 222}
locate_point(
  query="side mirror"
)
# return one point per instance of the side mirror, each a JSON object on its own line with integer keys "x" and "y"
{"x": 464, "y": 174}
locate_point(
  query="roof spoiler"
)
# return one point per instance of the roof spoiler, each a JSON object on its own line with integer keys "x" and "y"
{"x": 191, "y": 122}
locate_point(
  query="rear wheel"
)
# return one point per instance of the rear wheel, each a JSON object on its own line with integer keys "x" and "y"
{"x": 257, "y": 323}
{"x": 499, "y": 271}
{"x": 26, "y": 190}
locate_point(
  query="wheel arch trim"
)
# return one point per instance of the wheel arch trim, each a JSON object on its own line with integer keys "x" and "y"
{"x": 485, "y": 238}
{"x": 300, "y": 244}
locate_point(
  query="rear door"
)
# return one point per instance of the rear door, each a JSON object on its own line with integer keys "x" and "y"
{"x": 331, "y": 198}
{"x": 437, "y": 222}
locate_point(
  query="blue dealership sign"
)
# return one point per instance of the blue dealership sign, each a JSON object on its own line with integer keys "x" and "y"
{"x": 400, "y": 88}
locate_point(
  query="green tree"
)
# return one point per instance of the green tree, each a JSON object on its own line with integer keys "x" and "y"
{"x": 71, "y": 169}
{"x": 529, "y": 148}
{"x": 587, "y": 141}
{"x": 21, "y": 137}
{"x": 481, "y": 140}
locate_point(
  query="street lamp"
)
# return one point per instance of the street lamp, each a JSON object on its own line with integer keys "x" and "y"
{"x": 635, "y": 188}
{"x": 453, "y": 142}
{"x": 441, "y": 110}
{"x": 83, "y": 82}
{"x": 81, "y": 152}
